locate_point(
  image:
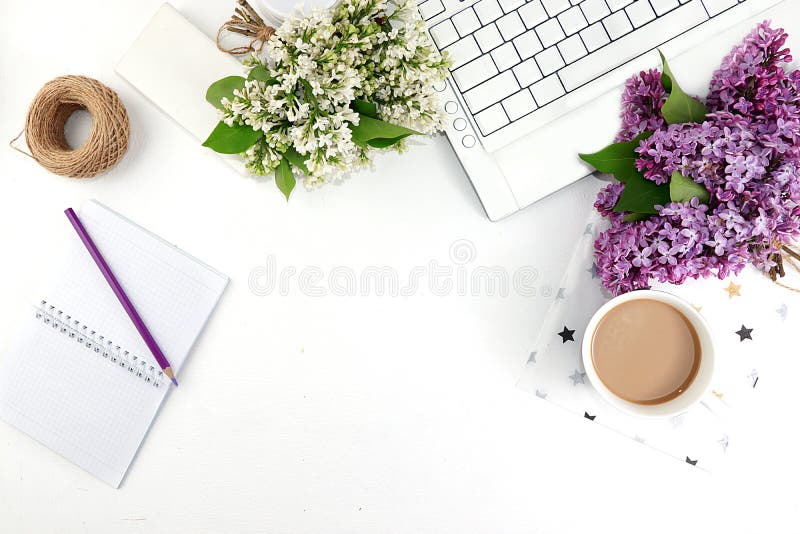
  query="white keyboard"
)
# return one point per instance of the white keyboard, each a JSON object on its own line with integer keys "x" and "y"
{"x": 514, "y": 58}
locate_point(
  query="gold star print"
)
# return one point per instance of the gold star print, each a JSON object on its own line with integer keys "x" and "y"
{"x": 718, "y": 395}
{"x": 697, "y": 307}
{"x": 733, "y": 290}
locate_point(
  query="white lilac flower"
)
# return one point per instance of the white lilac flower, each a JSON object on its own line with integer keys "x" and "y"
{"x": 372, "y": 50}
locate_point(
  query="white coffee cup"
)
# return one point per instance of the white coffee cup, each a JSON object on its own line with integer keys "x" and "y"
{"x": 277, "y": 11}
{"x": 693, "y": 393}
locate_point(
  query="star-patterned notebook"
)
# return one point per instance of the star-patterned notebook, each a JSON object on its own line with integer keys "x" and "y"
{"x": 748, "y": 315}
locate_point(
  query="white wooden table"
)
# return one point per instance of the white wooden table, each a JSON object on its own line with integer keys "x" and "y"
{"x": 340, "y": 413}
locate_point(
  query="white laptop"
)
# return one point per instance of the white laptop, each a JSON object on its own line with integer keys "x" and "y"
{"x": 532, "y": 81}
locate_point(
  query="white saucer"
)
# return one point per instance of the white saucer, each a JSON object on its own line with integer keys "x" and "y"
{"x": 278, "y": 10}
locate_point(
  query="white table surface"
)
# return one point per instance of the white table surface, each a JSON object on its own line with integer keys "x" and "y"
{"x": 305, "y": 414}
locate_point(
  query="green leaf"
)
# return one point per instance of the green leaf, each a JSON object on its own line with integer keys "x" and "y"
{"x": 284, "y": 178}
{"x": 666, "y": 82}
{"x": 232, "y": 139}
{"x": 377, "y": 133}
{"x": 365, "y": 108}
{"x": 635, "y": 217}
{"x": 683, "y": 189}
{"x": 296, "y": 159}
{"x": 223, "y": 89}
{"x": 618, "y": 159}
{"x": 260, "y": 73}
{"x": 679, "y": 106}
{"x": 642, "y": 195}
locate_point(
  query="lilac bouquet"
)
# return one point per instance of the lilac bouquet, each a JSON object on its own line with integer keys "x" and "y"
{"x": 703, "y": 189}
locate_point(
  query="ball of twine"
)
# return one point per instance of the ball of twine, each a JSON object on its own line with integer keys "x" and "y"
{"x": 48, "y": 113}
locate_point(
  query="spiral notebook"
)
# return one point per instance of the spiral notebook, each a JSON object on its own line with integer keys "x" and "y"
{"x": 79, "y": 378}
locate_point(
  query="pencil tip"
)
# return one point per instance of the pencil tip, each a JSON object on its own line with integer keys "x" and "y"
{"x": 170, "y": 375}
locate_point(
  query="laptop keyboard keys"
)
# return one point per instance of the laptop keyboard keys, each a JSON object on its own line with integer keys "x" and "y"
{"x": 594, "y": 36}
{"x": 512, "y": 57}
{"x": 519, "y": 104}
{"x": 532, "y": 14}
{"x": 616, "y": 5}
{"x": 572, "y": 20}
{"x": 474, "y": 72}
{"x": 488, "y": 10}
{"x": 617, "y": 25}
{"x": 466, "y": 22}
{"x": 430, "y": 8}
{"x": 527, "y": 72}
{"x": 618, "y": 52}
{"x": 528, "y": 44}
{"x": 716, "y": 7}
{"x": 505, "y": 57}
{"x": 663, "y": 6}
{"x": 491, "y": 91}
{"x": 463, "y": 51}
{"x": 554, "y": 7}
{"x": 488, "y": 37}
{"x": 594, "y": 10}
{"x": 510, "y": 26}
{"x": 491, "y": 119}
{"x": 444, "y": 34}
{"x": 640, "y": 13}
{"x": 572, "y": 49}
{"x": 547, "y": 90}
{"x": 549, "y": 33}
{"x": 510, "y": 5}
{"x": 549, "y": 61}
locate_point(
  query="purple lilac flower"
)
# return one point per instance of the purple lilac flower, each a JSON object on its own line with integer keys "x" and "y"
{"x": 747, "y": 79}
{"x": 641, "y": 104}
{"x": 746, "y": 154}
{"x": 608, "y": 197}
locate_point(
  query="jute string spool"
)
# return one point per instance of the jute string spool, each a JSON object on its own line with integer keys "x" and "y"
{"x": 48, "y": 114}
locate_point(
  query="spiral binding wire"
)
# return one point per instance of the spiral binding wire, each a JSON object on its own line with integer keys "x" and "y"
{"x": 72, "y": 328}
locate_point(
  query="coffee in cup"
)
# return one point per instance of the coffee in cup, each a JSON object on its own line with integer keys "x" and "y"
{"x": 649, "y": 353}
{"x": 646, "y": 351}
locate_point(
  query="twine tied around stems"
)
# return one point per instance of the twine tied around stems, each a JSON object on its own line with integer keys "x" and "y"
{"x": 789, "y": 255}
{"x": 245, "y": 21}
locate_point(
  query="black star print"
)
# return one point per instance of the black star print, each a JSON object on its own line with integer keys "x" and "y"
{"x": 744, "y": 333}
{"x": 589, "y": 417}
{"x": 566, "y": 335}
{"x": 690, "y": 461}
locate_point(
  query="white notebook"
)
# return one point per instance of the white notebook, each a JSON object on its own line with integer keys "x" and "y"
{"x": 172, "y": 63}
{"x": 79, "y": 378}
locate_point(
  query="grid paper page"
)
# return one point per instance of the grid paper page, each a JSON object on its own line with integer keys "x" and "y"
{"x": 86, "y": 407}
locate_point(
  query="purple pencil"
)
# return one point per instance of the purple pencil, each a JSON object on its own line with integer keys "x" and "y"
{"x": 120, "y": 293}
